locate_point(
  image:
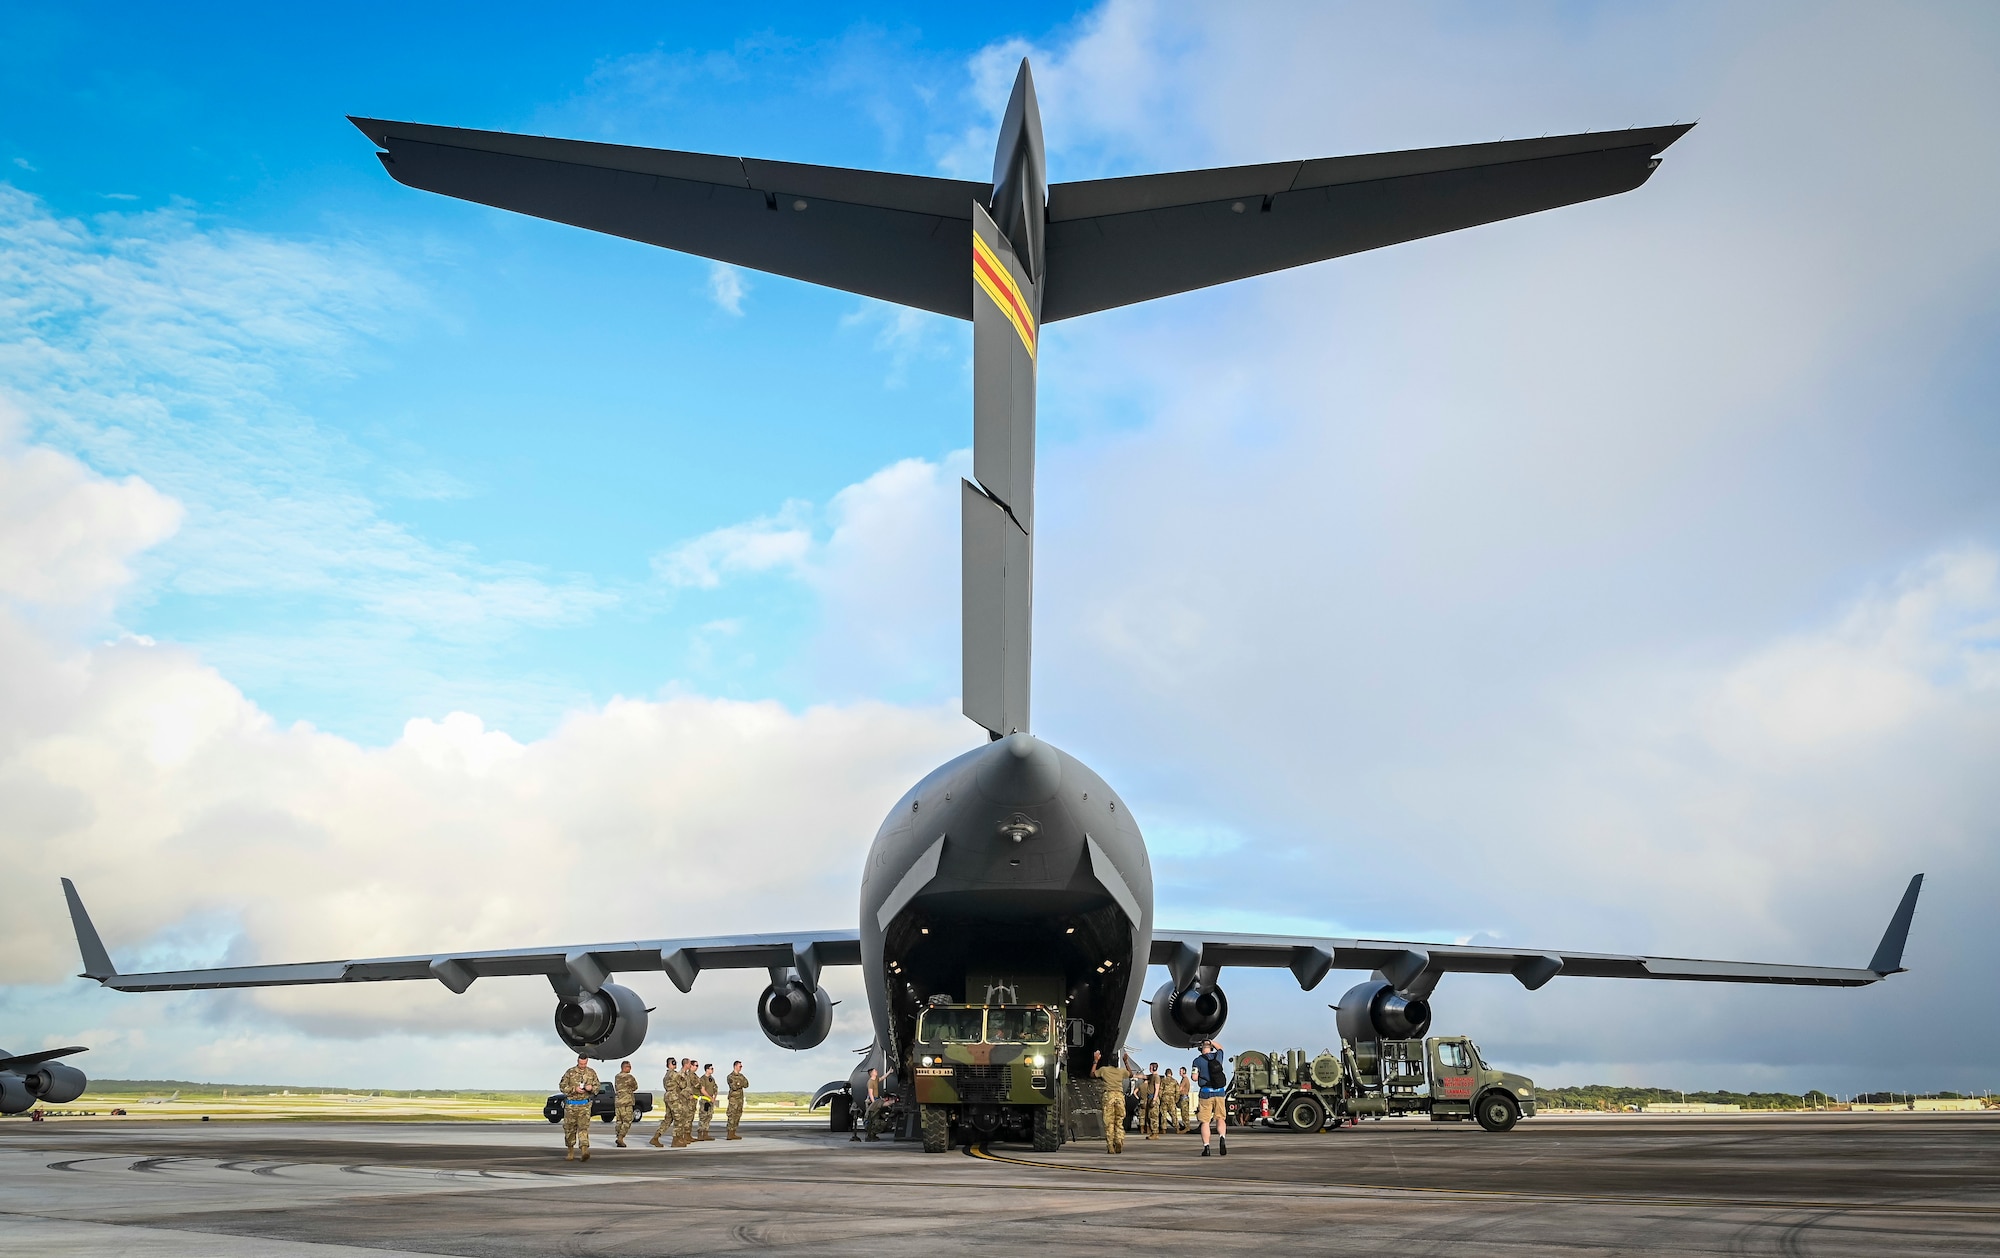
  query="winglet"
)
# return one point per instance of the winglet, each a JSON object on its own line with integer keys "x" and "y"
{"x": 96, "y": 961}
{"x": 1888, "y": 957}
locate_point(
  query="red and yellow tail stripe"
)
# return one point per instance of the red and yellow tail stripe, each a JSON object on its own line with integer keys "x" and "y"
{"x": 991, "y": 274}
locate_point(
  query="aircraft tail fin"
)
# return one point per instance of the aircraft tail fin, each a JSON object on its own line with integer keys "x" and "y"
{"x": 1888, "y": 957}
{"x": 96, "y": 961}
{"x": 998, "y": 512}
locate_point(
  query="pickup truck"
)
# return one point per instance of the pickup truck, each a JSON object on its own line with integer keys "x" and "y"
{"x": 604, "y": 1105}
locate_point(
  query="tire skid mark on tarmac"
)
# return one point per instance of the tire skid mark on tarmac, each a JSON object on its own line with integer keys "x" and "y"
{"x": 981, "y": 1153}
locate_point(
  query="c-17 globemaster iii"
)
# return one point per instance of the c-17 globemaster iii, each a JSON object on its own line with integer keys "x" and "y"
{"x": 1012, "y": 875}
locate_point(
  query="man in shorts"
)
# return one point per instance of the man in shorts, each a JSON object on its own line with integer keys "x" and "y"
{"x": 1212, "y": 1078}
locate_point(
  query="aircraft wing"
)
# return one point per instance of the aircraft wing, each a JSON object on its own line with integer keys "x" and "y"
{"x": 1112, "y": 242}
{"x": 27, "y": 1061}
{"x": 902, "y": 238}
{"x": 1417, "y": 966}
{"x": 589, "y": 966}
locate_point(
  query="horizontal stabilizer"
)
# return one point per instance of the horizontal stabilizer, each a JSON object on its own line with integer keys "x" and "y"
{"x": 1112, "y": 242}
{"x": 1109, "y": 242}
{"x": 902, "y": 238}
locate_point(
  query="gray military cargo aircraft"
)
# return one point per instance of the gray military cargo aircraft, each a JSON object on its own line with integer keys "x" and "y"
{"x": 1013, "y": 865}
{"x": 33, "y": 1079}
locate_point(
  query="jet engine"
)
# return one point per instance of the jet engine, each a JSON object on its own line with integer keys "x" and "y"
{"x": 1185, "y": 1020}
{"x": 14, "y": 1095}
{"x": 792, "y": 1016}
{"x": 609, "y": 1022}
{"x": 55, "y": 1083}
{"x": 1375, "y": 1010}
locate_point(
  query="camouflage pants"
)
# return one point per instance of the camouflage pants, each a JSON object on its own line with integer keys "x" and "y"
{"x": 684, "y": 1123}
{"x": 1114, "y": 1124}
{"x": 1150, "y": 1119}
{"x": 734, "y": 1114}
{"x": 576, "y": 1128}
{"x": 707, "y": 1117}
{"x": 624, "y": 1115}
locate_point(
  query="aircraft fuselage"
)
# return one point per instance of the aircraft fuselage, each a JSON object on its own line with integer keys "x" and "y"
{"x": 1012, "y": 866}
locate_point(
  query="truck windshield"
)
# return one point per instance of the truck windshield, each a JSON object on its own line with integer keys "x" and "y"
{"x": 1018, "y": 1026}
{"x": 950, "y": 1025}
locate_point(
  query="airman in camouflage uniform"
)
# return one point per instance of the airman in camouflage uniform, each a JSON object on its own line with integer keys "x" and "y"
{"x": 1150, "y": 1099}
{"x": 666, "y": 1103}
{"x": 624, "y": 1095}
{"x": 1113, "y": 1079}
{"x": 739, "y": 1083}
{"x": 708, "y": 1093}
{"x": 1187, "y": 1090}
{"x": 579, "y": 1089}
{"x": 687, "y": 1097}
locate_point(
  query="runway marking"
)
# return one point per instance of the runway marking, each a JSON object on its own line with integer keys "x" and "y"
{"x": 1291, "y": 1188}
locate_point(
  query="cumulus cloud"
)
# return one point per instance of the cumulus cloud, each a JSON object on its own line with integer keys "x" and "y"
{"x": 67, "y": 535}
{"x": 153, "y": 344}
{"x": 203, "y": 832}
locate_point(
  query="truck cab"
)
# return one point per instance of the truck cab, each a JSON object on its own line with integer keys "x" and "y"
{"x": 1443, "y": 1076}
{"x": 987, "y": 1070}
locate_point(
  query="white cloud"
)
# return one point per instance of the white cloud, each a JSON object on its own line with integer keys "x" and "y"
{"x": 151, "y": 344}
{"x": 66, "y": 534}
{"x": 727, "y": 287}
{"x": 775, "y": 542}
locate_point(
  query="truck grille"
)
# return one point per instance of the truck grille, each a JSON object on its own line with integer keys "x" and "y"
{"x": 982, "y": 1085}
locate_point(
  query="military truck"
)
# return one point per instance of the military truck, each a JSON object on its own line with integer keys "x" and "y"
{"x": 989, "y": 1070}
{"x": 1442, "y": 1076}
{"x": 603, "y": 1106}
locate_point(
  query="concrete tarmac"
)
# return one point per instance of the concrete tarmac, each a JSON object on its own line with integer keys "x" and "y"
{"x": 1832, "y": 1184}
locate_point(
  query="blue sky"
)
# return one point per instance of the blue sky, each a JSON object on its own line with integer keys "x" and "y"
{"x": 1627, "y": 573}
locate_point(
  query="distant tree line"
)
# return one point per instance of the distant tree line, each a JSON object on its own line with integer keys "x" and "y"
{"x": 1606, "y": 1097}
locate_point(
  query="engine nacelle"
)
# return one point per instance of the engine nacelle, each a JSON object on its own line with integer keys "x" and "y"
{"x": 55, "y": 1083}
{"x": 14, "y": 1095}
{"x": 609, "y": 1022}
{"x": 1184, "y": 1021}
{"x": 793, "y": 1017}
{"x": 1375, "y": 1010}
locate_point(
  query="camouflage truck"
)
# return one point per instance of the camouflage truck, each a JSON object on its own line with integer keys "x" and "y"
{"x": 989, "y": 1070}
{"x": 1443, "y": 1077}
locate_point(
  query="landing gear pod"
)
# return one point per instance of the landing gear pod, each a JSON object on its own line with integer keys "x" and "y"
{"x": 793, "y": 1017}
{"x": 1185, "y": 1020}
{"x": 609, "y": 1022}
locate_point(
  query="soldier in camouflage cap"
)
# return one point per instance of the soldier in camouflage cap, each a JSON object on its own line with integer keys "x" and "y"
{"x": 579, "y": 1089}
{"x": 624, "y": 1096}
{"x": 739, "y": 1083}
{"x": 666, "y": 1103}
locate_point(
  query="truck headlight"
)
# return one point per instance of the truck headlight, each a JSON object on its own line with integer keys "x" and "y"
{"x": 927, "y": 1061}
{"x": 1038, "y": 1061}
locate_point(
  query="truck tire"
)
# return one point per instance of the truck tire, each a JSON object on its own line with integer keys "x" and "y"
{"x": 936, "y": 1120}
{"x": 1302, "y": 1114}
{"x": 1048, "y": 1130}
{"x": 553, "y": 1110}
{"x": 840, "y": 1112}
{"x": 605, "y": 1118}
{"x": 1496, "y": 1111}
